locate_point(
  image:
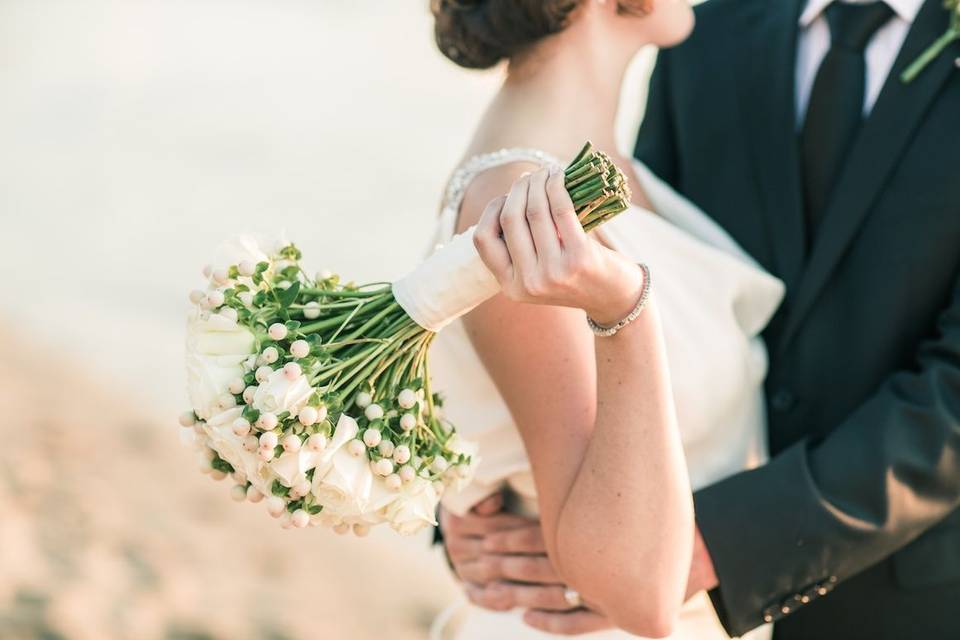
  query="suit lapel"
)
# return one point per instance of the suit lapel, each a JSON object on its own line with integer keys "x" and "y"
{"x": 767, "y": 104}
{"x": 884, "y": 137}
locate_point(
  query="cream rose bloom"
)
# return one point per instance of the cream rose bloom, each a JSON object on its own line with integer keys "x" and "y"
{"x": 345, "y": 485}
{"x": 290, "y": 467}
{"x": 220, "y": 438}
{"x": 414, "y": 508}
{"x": 279, "y": 394}
{"x": 215, "y": 356}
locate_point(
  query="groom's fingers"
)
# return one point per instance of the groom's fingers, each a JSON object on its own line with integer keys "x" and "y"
{"x": 462, "y": 549}
{"x": 479, "y": 526}
{"x": 492, "y": 568}
{"x": 503, "y": 596}
{"x": 520, "y": 540}
{"x": 572, "y": 623}
{"x": 489, "y": 506}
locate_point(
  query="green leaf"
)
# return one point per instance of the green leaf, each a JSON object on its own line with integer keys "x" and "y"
{"x": 288, "y": 296}
{"x": 290, "y": 252}
{"x": 221, "y": 465}
{"x": 314, "y": 509}
{"x": 262, "y": 266}
{"x": 278, "y": 489}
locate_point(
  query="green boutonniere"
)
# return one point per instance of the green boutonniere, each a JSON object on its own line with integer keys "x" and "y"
{"x": 952, "y": 35}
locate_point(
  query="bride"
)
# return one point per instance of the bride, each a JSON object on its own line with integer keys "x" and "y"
{"x": 601, "y": 434}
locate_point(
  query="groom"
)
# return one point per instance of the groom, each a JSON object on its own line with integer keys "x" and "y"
{"x": 787, "y": 121}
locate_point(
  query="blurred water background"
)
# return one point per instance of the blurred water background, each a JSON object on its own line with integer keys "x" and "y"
{"x": 134, "y": 136}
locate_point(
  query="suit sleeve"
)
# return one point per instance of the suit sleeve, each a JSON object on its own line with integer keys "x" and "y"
{"x": 656, "y": 142}
{"x": 783, "y": 534}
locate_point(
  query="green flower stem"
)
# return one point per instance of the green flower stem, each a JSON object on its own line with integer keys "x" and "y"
{"x": 344, "y": 293}
{"x": 337, "y": 320}
{"x": 362, "y": 330}
{"x": 361, "y": 374}
{"x": 329, "y": 372}
{"x": 931, "y": 54}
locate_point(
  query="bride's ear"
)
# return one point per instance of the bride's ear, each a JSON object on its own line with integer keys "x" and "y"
{"x": 635, "y": 7}
{"x": 626, "y": 7}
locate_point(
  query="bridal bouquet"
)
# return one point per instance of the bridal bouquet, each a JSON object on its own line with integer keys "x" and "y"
{"x": 315, "y": 396}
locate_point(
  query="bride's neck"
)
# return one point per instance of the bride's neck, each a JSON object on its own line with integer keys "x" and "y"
{"x": 558, "y": 95}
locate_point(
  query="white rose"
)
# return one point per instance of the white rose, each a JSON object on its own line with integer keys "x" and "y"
{"x": 290, "y": 466}
{"x": 215, "y": 356}
{"x": 220, "y": 438}
{"x": 344, "y": 490}
{"x": 457, "y": 445}
{"x": 279, "y": 394}
{"x": 345, "y": 485}
{"x": 414, "y": 508}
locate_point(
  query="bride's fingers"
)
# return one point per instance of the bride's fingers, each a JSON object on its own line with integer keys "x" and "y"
{"x": 541, "y": 224}
{"x": 516, "y": 231}
{"x": 564, "y": 215}
{"x": 489, "y": 243}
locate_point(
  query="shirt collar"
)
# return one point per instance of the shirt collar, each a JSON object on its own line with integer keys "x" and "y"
{"x": 907, "y": 10}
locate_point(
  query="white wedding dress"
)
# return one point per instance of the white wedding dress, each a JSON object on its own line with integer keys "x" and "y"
{"x": 713, "y": 299}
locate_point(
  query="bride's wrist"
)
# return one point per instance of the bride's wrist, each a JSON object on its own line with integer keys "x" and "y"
{"x": 621, "y": 298}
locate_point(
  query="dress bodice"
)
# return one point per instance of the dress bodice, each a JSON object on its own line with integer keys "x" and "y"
{"x": 713, "y": 300}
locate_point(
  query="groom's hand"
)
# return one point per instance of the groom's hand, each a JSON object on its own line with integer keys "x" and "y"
{"x": 502, "y": 560}
{"x": 503, "y": 563}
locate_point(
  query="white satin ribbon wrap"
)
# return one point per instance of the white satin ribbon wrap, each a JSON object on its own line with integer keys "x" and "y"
{"x": 447, "y": 285}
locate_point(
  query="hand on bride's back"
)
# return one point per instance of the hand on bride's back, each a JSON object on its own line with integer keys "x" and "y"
{"x": 532, "y": 241}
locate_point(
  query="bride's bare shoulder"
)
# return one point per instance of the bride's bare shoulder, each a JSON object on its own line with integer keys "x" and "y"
{"x": 486, "y": 186}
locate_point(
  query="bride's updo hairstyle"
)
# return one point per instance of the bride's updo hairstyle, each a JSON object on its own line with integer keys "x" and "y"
{"x": 478, "y": 34}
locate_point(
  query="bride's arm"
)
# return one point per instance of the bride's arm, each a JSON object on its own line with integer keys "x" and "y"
{"x": 596, "y": 415}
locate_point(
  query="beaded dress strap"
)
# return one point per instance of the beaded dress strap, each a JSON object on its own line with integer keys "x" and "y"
{"x": 463, "y": 176}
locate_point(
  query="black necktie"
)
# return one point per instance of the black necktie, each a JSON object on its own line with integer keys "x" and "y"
{"x": 835, "y": 111}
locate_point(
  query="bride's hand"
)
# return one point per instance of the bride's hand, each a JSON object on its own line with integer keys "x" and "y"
{"x": 533, "y": 243}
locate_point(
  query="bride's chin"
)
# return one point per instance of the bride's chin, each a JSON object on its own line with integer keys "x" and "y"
{"x": 676, "y": 21}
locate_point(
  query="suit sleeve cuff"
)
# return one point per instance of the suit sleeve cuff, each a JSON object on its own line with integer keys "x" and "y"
{"x": 754, "y": 525}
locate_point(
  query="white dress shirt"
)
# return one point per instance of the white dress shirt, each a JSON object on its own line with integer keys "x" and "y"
{"x": 881, "y": 53}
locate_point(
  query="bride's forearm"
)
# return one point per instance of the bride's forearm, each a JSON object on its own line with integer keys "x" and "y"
{"x": 625, "y": 531}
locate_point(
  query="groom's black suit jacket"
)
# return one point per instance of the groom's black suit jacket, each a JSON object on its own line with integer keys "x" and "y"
{"x": 860, "y": 498}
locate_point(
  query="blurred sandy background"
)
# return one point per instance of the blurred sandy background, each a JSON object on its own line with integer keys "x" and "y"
{"x": 134, "y": 136}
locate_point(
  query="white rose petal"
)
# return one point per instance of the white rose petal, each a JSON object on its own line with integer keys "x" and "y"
{"x": 215, "y": 357}
{"x": 289, "y": 466}
{"x": 229, "y": 446}
{"x": 279, "y": 393}
{"x": 414, "y": 508}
